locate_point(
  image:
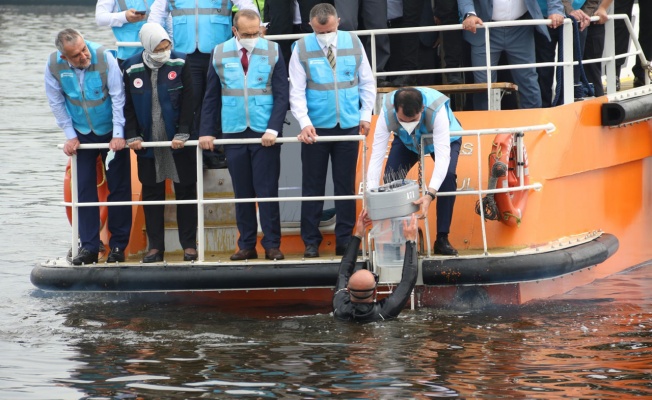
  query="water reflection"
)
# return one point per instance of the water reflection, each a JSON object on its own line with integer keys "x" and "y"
{"x": 563, "y": 347}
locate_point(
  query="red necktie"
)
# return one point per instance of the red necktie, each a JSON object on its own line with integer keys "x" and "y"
{"x": 244, "y": 60}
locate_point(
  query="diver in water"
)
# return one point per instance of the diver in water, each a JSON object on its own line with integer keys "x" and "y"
{"x": 355, "y": 294}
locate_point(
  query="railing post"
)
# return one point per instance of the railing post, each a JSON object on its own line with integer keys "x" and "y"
{"x": 201, "y": 237}
{"x": 74, "y": 222}
{"x": 568, "y": 40}
{"x": 610, "y": 51}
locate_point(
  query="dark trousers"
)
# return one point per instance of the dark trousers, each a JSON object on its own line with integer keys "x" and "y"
{"x": 199, "y": 64}
{"x": 452, "y": 41}
{"x": 545, "y": 52}
{"x": 644, "y": 35}
{"x": 118, "y": 178}
{"x": 280, "y": 16}
{"x": 401, "y": 160}
{"x": 593, "y": 49}
{"x": 412, "y": 11}
{"x": 374, "y": 16}
{"x": 255, "y": 171}
{"x": 314, "y": 160}
{"x": 186, "y": 215}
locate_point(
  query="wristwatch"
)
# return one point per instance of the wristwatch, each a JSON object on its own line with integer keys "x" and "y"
{"x": 468, "y": 14}
{"x": 432, "y": 195}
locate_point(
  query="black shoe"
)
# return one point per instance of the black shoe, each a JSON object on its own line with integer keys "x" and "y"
{"x": 617, "y": 84}
{"x": 405, "y": 80}
{"x": 246, "y": 254}
{"x": 215, "y": 161}
{"x": 443, "y": 247}
{"x": 189, "y": 256}
{"x": 312, "y": 251}
{"x": 84, "y": 257}
{"x": 153, "y": 257}
{"x": 274, "y": 254}
{"x": 340, "y": 250}
{"x": 454, "y": 78}
{"x": 382, "y": 82}
{"x": 639, "y": 82}
{"x": 116, "y": 255}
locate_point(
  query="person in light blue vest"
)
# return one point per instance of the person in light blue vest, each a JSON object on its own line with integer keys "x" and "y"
{"x": 125, "y": 17}
{"x": 197, "y": 27}
{"x": 83, "y": 84}
{"x": 332, "y": 92}
{"x": 247, "y": 98}
{"x": 409, "y": 114}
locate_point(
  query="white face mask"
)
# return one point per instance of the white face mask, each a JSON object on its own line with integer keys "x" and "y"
{"x": 248, "y": 44}
{"x": 161, "y": 57}
{"x": 409, "y": 126}
{"x": 326, "y": 39}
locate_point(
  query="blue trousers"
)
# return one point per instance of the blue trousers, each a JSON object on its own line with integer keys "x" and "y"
{"x": 314, "y": 161}
{"x": 401, "y": 160}
{"x": 255, "y": 171}
{"x": 118, "y": 178}
{"x": 518, "y": 44}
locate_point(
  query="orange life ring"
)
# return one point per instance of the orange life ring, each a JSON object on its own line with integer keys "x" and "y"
{"x": 510, "y": 204}
{"x": 102, "y": 190}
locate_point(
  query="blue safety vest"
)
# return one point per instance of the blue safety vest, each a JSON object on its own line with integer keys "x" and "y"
{"x": 332, "y": 96}
{"x": 129, "y": 31}
{"x": 433, "y": 100}
{"x": 200, "y": 24}
{"x": 170, "y": 94}
{"x": 89, "y": 107}
{"x": 247, "y": 100}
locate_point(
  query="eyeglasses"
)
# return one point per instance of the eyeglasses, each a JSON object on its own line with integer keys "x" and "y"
{"x": 166, "y": 48}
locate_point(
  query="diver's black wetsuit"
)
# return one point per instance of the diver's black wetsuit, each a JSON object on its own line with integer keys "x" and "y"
{"x": 388, "y": 308}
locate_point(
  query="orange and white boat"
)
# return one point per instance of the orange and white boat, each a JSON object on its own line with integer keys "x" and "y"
{"x": 572, "y": 187}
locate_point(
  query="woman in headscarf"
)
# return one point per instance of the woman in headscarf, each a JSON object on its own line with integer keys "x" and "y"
{"x": 158, "y": 107}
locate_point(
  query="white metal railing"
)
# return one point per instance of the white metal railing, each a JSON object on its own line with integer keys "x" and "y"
{"x": 549, "y": 128}
{"x": 75, "y": 204}
{"x": 568, "y": 41}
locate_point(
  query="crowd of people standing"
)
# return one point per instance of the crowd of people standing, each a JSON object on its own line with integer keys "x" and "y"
{"x": 205, "y": 73}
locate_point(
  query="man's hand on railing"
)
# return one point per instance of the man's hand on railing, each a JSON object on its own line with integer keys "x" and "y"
{"x": 268, "y": 139}
{"x": 117, "y": 144}
{"x": 206, "y": 142}
{"x": 582, "y": 18}
{"x": 135, "y": 144}
{"x": 177, "y": 144}
{"x": 308, "y": 135}
{"x": 470, "y": 22}
{"x": 71, "y": 146}
{"x": 364, "y": 128}
{"x": 556, "y": 19}
{"x": 601, "y": 13}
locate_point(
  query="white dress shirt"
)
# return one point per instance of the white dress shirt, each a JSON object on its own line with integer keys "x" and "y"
{"x": 441, "y": 140}
{"x": 298, "y": 103}
{"x": 57, "y": 100}
{"x": 508, "y": 10}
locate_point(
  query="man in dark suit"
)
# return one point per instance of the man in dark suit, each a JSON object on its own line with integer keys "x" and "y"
{"x": 247, "y": 98}
{"x": 516, "y": 42}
